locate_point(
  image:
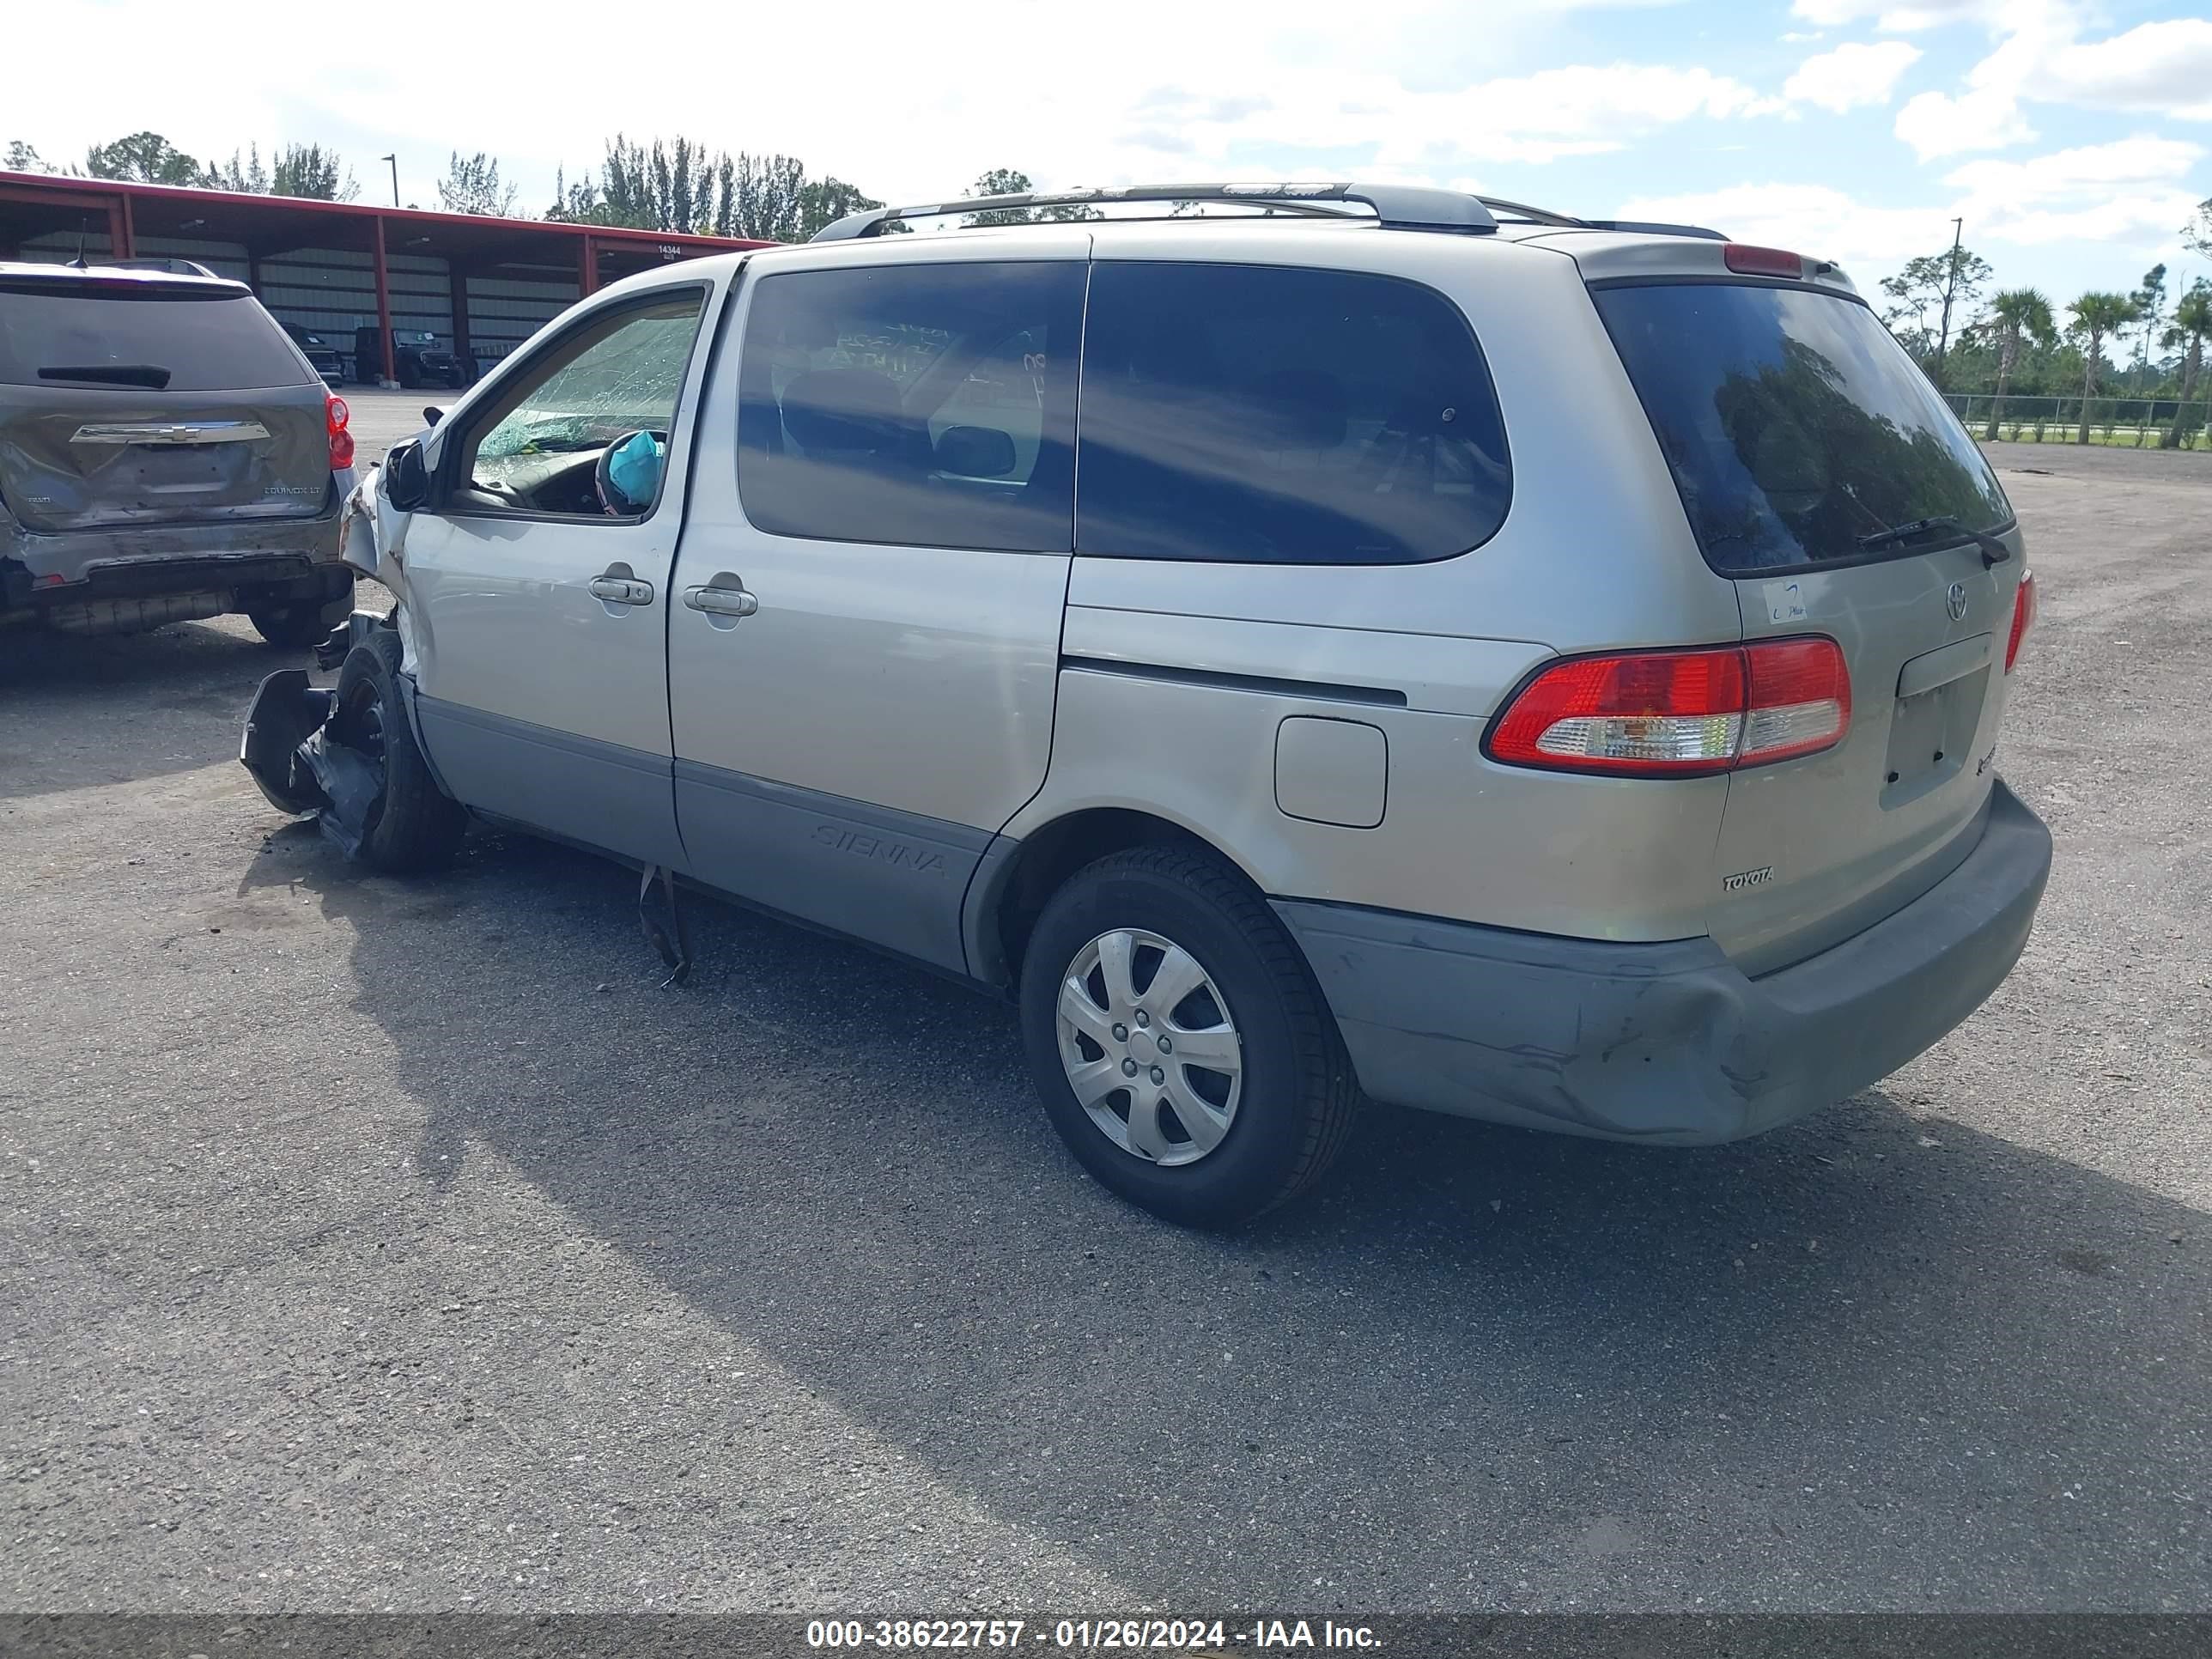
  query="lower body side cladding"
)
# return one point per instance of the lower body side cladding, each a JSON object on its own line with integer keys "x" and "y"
{"x": 1667, "y": 1043}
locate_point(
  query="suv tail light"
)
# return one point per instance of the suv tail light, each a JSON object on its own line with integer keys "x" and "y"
{"x": 1662, "y": 713}
{"x": 2023, "y": 617}
{"x": 335, "y": 417}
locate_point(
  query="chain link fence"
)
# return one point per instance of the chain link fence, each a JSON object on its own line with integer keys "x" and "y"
{"x": 2120, "y": 423}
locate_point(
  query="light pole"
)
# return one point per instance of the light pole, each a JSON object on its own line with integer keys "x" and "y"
{"x": 394, "y": 160}
{"x": 1950, "y": 287}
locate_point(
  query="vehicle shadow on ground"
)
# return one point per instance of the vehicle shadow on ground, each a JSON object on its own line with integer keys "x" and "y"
{"x": 1619, "y": 1361}
{"x": 78, "y": 710}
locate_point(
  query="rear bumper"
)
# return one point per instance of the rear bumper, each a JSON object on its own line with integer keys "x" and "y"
{"x": 1667, "y": 1043}
{"x": 271, "y": 559}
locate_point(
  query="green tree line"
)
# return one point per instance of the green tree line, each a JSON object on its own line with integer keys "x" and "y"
{"x": 303, "y": 170}
{"x": 676, "y": 185}
{"x": 2147, "y": 342}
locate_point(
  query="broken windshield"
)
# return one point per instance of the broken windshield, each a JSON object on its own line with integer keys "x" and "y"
{"x": 624, "y": 374}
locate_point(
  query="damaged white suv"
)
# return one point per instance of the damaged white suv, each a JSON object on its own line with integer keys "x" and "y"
{"x": 1406, "y": 645}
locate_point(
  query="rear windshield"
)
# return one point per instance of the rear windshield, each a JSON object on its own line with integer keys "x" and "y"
{"x": 222, "y": 343}
{"x": 1795, "y": 425}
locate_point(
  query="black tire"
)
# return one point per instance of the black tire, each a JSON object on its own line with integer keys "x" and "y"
{"x": 413, "y": 825}
{"x": 308, "y": 621}
{"x": 1298, "y": 1094}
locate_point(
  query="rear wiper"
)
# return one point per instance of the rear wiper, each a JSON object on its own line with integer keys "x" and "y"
{"x": 1993, "y": 550}
{"x": 150, "y": 375}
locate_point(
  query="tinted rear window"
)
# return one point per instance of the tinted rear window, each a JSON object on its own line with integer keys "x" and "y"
{"x": 217, "y": 344}
{"x": 1269, "y": 414}
{"x": 1794, "y": 424}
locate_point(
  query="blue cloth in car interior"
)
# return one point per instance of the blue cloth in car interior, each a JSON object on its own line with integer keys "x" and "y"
{"x": 635, "y": 469}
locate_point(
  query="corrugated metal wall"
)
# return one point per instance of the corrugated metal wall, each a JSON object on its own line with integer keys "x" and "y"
{"x": 506, "y": 309}
{"x": 59, "y": 247}
{"x": 332, "y": 291}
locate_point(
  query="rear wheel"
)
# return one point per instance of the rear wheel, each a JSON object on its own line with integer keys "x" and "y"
{"x": 412, "y": 824}
{"x": 1180, "y": 1046}
{"x": 303, "y": 622}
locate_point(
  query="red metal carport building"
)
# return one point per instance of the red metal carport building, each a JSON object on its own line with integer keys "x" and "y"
{"x": 332, "y": 267}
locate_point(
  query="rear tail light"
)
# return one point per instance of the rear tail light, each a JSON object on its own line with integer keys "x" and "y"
{"x": 2023, "y": 617}
{"x": 1800, "y": 700}
{"x": 335, "y": 417}
{"x": 1659, "y": 714}
{"x": 1749, "y": 261}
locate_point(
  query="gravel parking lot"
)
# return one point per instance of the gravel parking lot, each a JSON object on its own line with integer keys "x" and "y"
{"x": 369, "y": 1244}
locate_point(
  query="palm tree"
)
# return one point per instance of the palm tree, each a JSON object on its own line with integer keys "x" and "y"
{"x": 2018, "y": 314}
{"x": 2095, "y": 316}
{"x": 2193, "y": 322}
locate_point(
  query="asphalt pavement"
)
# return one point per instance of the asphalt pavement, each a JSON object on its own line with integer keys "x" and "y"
{"x": 370, "y": 1243}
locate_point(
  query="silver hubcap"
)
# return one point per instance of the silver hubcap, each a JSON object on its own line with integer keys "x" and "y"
{"x": 1149, "y": 1046}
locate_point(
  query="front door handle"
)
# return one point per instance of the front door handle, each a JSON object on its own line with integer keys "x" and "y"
{"x": 726, "y": 596}
{"x": 621, "y": 590}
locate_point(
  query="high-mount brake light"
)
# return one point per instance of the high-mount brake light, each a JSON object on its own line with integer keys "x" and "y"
{"x": 1679, "y": 713}
{"x": 1745, "y": 260}
{"x": 335, "y": 417}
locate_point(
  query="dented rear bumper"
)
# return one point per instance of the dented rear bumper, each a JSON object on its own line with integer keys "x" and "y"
{"x": 1667, "y": 1043}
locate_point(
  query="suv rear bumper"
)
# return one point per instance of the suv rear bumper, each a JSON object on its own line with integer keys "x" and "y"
{"x": 240, "y": 560}
{"x": 1667, "y": 1043}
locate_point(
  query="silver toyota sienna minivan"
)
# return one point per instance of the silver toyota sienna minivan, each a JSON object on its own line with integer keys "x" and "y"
{"x": 1397, "y": 645}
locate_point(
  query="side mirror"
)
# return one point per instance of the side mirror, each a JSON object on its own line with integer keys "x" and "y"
{"x": 407, "y": 478}
{"x": 974, "y": 452}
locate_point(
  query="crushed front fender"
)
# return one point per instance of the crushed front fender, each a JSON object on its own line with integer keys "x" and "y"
{"x": 302, "y": 768}
{"x": 286, "y": 712}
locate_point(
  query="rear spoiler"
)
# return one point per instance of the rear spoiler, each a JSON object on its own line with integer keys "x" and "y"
{"x": 112, "y": 280}
{"x": 1654, "y": 227}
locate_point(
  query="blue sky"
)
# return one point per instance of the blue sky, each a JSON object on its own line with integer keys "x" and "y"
{"x": 2072, "y": 137}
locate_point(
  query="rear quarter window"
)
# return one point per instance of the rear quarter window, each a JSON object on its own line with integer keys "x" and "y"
{"x": 1794, "y": 424}
{"x": 220, "y": 341}
{"x": 1259, "y": 414}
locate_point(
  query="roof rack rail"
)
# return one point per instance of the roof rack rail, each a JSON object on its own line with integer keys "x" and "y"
{"x": 1535, "y": 215}
{"x": 1396, "y": 207}
{"x": 1656, "y": 227}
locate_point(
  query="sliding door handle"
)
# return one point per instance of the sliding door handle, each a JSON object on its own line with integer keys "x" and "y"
{"x": 726, "y": 596}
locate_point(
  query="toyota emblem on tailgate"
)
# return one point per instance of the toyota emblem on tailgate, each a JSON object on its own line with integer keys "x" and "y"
{"x": 1955, "y": 601}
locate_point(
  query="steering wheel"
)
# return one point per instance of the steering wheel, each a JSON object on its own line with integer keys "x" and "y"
{"x": 612, "y": 497}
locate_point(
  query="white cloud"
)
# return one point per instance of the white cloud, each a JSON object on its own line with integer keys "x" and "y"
{"x": 1025, "y": 87}
{"x": 2130, "y": 190}
{"x": 1852, "y": 74}
{"x": 1814, "y": 219}
{"x": 1986, "y": 117}
{"x": 2161, "y": 69}
{"x": 2144, "y": 158}
{"x": 1905, "y": 19}
{"x": 2127, "y": 194}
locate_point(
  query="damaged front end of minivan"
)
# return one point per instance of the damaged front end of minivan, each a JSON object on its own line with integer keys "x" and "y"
{"x": 312, "y": 751}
